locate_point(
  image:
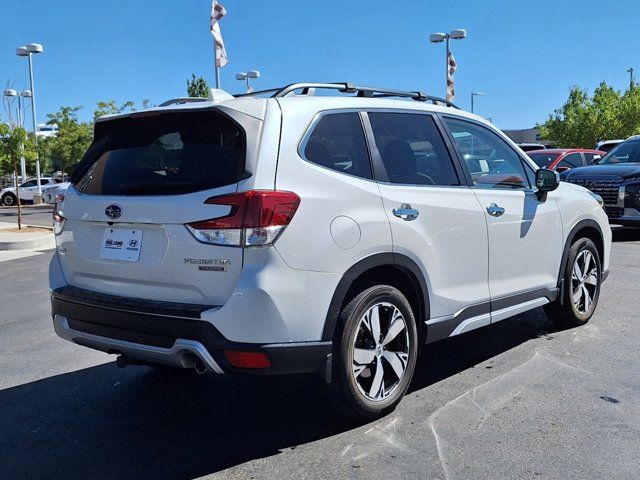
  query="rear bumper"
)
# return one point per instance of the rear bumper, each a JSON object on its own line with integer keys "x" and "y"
{"x": 167, "y": 333}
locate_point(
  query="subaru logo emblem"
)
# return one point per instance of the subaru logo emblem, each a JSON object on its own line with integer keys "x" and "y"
{"x": 113, "y": 211}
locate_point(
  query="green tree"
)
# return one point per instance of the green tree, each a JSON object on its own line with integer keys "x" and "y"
{"x": 197, "y": 87}
{"x": 15, "y": 143}
{"x": 110, "y": 108}
{"x": 72, "y": 140}
{"x": 583, "y": 121}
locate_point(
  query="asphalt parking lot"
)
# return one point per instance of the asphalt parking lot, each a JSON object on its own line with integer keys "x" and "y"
{"x": 520, "y": 399}
{"x": 31, "y": 215}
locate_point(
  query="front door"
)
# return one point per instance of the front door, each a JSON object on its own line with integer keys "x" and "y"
{"x": 28, "y": 189}
{"x": 525, "y": 232}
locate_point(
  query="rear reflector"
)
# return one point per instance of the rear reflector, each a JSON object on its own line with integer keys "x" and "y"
{"x": 58, "y": 216}
{"x": 257, "y": 218}
{"x": 247, "y": 359}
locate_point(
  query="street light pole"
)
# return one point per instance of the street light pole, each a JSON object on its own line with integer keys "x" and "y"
{"x": 630, "y": 71}
{"x": 10, "y": 92}
{"x": 247, "y": 76}
{"x": 35, "y": 123}
{"x": 29, "y": 51}
{"x": 475, "y": 94}
{"x": 457, "y": 34}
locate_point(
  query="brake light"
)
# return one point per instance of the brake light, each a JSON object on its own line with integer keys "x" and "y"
{"x": 58, "y": 216}
{"x": 256, "y": 219}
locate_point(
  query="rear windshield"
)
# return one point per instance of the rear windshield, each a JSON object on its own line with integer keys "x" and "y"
{"x": 543, "y": 159}
{"x": 162, "y": 154}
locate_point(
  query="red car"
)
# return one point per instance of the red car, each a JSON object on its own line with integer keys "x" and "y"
{"x": 562, "y": 159}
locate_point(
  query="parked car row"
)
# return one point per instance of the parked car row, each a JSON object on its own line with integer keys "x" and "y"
{"x": 616, "y": 178}
{"x": 561, "y": 159}
{"x": 50, "y": 188}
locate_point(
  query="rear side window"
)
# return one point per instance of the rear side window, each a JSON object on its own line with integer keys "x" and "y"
{"x": 412, "y": 150}
{"x": 163, "y": 154}
{"x": 337, "y": 142}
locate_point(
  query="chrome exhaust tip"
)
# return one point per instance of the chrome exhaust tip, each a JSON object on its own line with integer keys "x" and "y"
{"x": 200, "y": 367}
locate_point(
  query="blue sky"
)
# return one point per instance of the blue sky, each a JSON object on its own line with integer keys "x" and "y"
{"x": 523, "y": 55}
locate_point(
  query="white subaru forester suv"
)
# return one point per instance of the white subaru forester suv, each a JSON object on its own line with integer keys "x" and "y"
{"x": 292, "y": 232}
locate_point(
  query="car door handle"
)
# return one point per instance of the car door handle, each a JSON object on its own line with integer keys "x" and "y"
{"x": 495, "y": 210}
{"x": 406, "y": 212}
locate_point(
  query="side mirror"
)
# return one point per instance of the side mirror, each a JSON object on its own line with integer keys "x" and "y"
{"x": 547, "y": 180}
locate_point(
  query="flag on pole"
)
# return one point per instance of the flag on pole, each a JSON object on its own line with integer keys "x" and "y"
{"x": 452, "y": 66}
{"x": 217, "y": 12}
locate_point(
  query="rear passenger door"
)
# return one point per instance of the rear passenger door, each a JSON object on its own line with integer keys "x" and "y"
{"x": 435, "y": 218}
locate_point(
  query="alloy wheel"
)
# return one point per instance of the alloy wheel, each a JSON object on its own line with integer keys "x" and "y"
{"x": 584, "y": 281}
{"x": 380, "y": 351}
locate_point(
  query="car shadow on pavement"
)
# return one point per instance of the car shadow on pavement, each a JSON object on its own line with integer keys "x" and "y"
{"x": 444, "y": 359}
{"x": 626, "y": 234}
{"x": 105, "y": 422}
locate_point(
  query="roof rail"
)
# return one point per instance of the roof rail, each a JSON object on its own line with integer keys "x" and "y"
{"x": 178, "y": 100}
{"x": 348, "y": 87}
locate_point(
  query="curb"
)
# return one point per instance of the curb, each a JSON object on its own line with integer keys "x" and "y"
{"x": 32, "y": 244}
{"x": 42, "y": 206}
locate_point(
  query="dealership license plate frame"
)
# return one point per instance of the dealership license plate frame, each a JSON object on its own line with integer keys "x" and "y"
{"x": 121, "y": 244}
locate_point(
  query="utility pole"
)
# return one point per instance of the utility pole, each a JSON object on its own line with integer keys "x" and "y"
{"x": 631, "y": 79}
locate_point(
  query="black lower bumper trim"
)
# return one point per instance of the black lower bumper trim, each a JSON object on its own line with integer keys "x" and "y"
{"x": 135, "y": 321}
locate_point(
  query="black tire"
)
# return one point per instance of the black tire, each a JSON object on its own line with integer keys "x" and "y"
{"x": 348, "y": 388}
{"x": 566, "y": 311}
{"x": 9, "y": 200}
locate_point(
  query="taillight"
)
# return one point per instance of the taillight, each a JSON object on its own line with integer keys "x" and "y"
{"x": 256, "y": 219}
{"x": 58, "y": 216}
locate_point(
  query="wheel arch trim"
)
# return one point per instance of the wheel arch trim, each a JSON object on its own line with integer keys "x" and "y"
{"x": 399, "y": 261}
{"x": 581, "y": 225}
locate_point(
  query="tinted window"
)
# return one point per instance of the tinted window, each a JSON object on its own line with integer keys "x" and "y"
{"x": 412, "y": 149}
{"x": 572, "y": 160}
{"x": 591, "y": 157}
{"x": 491, "y": 161}
{"x": 337, "y": 142}
{"x": 162, "y": 154}
{"x": 30, "y": 183}
{"x": 543, "y": 159}
{"x": 627, "y": 152}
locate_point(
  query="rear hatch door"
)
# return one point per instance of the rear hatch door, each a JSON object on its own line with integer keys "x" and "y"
{"x": 144, "y": 177}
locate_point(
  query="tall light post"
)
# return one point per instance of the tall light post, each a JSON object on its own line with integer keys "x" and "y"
{"x": 475, "y": 94}
{"x": 28, "y": 51}
{"x": 247, "y": 76}
{"x": 11, "y": 93}
{"x": 457, "y": 34}
{"x": 630, "y": 72}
